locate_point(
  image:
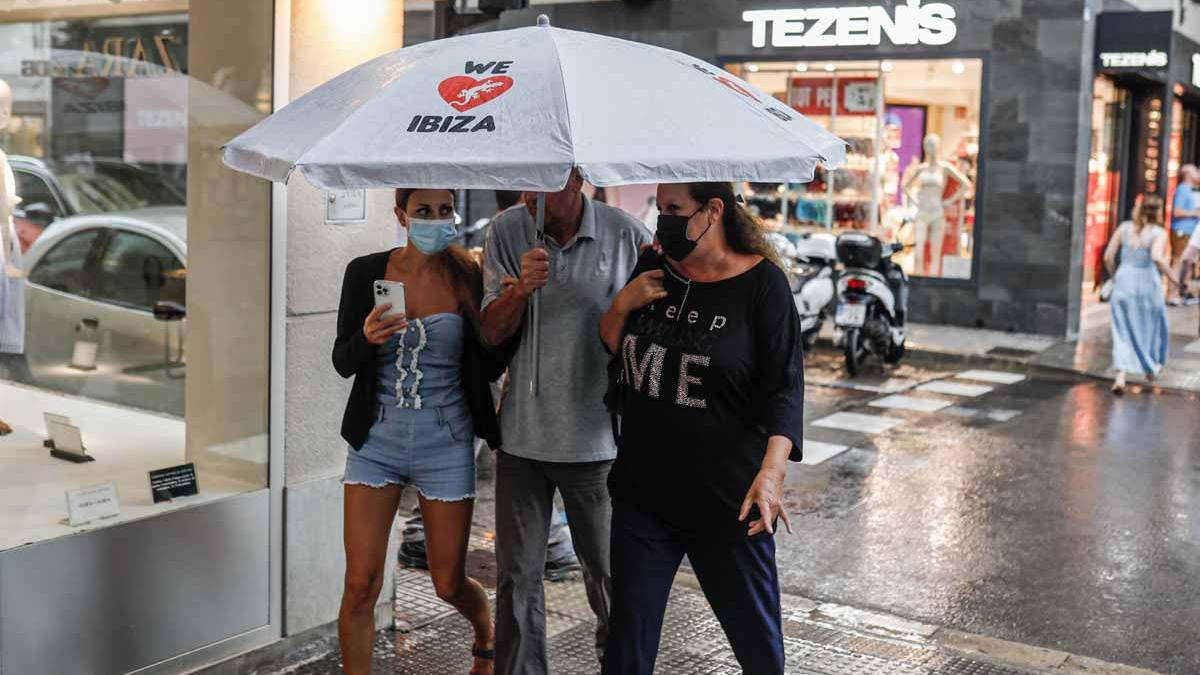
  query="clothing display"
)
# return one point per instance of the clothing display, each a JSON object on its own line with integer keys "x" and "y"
{"x": 711, "y": 371}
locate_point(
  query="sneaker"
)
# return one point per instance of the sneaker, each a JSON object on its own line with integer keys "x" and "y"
{"x": 1192, "y": 300}
{"x": 1175, "y": 302}
{"x": 561, "y": 570}
{"x": 412, "y": 556}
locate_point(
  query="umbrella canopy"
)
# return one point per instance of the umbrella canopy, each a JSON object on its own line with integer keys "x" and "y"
{"x": 517, "y": 109}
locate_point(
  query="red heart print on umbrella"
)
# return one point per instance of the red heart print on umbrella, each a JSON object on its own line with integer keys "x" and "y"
{"x": 463, "y": 92}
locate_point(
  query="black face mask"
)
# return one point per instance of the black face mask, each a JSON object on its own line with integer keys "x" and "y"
{"x": 672, "y": 235}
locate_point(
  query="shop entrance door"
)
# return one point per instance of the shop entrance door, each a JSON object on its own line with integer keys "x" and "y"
{"x": 1112, "y": 115}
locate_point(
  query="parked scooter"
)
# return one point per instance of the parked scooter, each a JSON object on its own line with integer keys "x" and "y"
{"x": 813, "y": 276}
{"x": 872, "y": 305}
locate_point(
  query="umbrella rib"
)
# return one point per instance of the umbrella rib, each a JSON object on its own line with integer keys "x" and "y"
{"x": 562, "y": 78}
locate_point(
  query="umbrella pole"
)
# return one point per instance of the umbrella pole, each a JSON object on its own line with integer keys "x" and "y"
{"x": 535, "y": 380}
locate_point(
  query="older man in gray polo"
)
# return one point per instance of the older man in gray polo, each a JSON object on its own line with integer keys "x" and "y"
{"x": 562, "y": 438}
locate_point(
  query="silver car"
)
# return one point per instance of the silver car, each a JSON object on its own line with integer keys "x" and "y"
{"x": 105, "y": 307}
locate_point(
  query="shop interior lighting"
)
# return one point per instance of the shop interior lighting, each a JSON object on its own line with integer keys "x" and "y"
{"x": 887, "y": 66}
{"x": 958, "y": 67}
{"x": 801, "y": 67}
{"x": 829, "y": 67}
{"x": 753, "y": 67}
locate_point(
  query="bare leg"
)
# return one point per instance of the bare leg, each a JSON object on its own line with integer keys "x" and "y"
{"x": 1119, "y": 386}
{"x": 369, "y": 514}
{"x": 447, "y": 527}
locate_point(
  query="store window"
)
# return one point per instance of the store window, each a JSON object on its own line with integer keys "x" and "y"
{"x": 1110, "y": 125}
{"x": 101, "y": 123}
{"x": 911, "y": 171}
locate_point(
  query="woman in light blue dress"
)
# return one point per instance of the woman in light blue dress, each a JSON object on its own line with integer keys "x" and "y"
{"x": 1139, "y": 312}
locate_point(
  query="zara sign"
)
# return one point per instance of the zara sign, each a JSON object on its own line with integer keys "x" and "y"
{"x": 911, "y": 23}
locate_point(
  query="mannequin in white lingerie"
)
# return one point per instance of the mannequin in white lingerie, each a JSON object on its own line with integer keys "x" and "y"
{"x": 926, "y": 188}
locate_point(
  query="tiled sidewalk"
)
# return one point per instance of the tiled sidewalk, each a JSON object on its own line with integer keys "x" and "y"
{"x": 819, "y": 639}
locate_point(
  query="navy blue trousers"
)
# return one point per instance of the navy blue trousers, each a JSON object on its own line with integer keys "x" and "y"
{"x": 739, "y": 579}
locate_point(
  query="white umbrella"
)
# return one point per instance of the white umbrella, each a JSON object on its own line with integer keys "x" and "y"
{"x": 517, "y": 109}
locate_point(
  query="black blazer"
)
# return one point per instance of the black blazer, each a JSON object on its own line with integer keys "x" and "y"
{"x": 353, "y": 355}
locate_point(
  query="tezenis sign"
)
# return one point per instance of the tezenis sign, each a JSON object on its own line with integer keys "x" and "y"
{"x": 910, "y": 23}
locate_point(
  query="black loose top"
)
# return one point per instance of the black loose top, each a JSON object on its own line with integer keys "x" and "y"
{"x": 712, "y": 371}
{"x": 354, "y": 356}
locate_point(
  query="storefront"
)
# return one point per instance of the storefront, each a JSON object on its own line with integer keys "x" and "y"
{"x": 964, "y": 121}
{"x": 889, "y": 111}
{"x": 170, "y": 492}
{"x": 1145, "y": 122}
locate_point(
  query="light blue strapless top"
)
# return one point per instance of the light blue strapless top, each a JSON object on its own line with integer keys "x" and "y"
{"x": 419, "y": 368}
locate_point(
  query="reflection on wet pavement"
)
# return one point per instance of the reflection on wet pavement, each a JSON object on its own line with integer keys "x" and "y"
{"x": 1043, "y": 512}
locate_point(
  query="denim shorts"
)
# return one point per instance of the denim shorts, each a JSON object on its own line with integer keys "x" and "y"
{"x": 432, "y": 449}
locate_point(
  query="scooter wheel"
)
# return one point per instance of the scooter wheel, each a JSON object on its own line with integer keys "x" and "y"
{"x": 809, "y": 339}
{"x": 855, "y": 352}
{"x": 895, "y": 354}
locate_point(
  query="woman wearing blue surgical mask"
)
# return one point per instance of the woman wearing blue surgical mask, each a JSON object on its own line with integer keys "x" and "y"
{"x": 420, "y": 397}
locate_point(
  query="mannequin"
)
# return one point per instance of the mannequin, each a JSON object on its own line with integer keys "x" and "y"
{"x": 12, "y": 291}
{"x": 929, "y": 179}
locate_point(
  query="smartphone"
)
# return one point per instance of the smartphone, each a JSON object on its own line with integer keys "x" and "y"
{"x": 390, "y": 292}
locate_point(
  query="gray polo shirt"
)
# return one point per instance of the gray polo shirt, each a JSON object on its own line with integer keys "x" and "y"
{"x": 567, "y": 421}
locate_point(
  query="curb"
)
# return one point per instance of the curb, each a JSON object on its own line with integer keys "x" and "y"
{"x": 919, "y": 355}
{"x": 1001, "y": 653}
{"x": 929, "y": 356}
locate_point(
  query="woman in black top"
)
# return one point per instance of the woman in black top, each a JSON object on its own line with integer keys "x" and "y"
{"x": 420, "y": 397}
{"x": 711, "y": 413}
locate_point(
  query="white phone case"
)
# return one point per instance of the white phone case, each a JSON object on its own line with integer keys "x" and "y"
{"x": 390, "y": 292}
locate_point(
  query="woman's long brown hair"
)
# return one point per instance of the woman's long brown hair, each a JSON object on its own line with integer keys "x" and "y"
{"x": 1149, "y": 212}
{"x": 457, "y": 265}
{"x": 743, "y": 231}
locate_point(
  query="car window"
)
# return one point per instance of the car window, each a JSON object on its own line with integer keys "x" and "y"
{"x": 32, "y": 189}
{"x": 94, "y": 193}
{"x": 137, "y": 271}
{"x": 63, "y": 266}
{"x": 104, "y": 187}
{"x": 150, "y": 189}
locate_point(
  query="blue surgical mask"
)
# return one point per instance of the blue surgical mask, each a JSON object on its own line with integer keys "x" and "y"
{"x": 431, "y": 236}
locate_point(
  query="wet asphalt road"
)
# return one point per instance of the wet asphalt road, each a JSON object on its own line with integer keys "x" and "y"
{"x": 1073, "y": 525}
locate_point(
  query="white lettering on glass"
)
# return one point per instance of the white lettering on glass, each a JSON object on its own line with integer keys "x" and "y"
{"x": 912, "y": 23}
{"x": 1150, "y": 59}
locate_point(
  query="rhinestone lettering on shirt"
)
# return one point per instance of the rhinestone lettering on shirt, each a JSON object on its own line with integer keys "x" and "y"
{"x": 681, "y": 396}
{"x": 637, "y": 373}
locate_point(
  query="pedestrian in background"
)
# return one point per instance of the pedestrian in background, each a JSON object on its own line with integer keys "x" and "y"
{"x": 1188, "y": 261}
{"x": 561, "y": 439}
{"x": 1185, "y": 214}
{"x": 712, "y": 410}
{"x": 475, "y": 235}
{"x": 1139, "y": 317}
